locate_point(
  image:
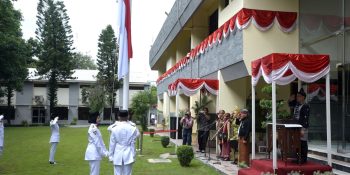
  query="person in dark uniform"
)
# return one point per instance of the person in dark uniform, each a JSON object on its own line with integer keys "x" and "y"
{"x": 301, "y": 115}
{"x": 203, "y": 129}
{"x": 245, "y": 127}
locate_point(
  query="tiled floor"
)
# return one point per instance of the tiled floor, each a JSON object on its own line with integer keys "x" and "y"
{"x": 225, "y": 167}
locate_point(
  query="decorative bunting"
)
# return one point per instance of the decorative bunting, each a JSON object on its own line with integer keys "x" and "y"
{"x": 284, "y": 68}
{"x": 262, "y": 19}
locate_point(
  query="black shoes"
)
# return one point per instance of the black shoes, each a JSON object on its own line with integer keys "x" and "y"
{"x": 53, "y": 163}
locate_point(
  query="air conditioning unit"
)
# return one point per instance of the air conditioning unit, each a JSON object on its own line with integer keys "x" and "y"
{"x": 39, "y": 100}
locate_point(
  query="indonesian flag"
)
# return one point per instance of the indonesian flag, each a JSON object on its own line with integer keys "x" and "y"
{"x": 124, "y": 36}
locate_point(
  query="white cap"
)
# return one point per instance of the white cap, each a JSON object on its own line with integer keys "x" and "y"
{"x": 1, "y": 117}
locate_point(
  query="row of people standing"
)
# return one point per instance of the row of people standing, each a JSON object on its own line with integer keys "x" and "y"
{"x": 233, "y": 133}
{"x": 121, "y": 151}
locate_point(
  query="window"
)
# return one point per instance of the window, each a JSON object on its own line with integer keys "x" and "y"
{"x": 61, "y": 112}
{"x": 39, "y": 85}
{"x": 3, "y": 110}
{"x": 83, "y": 113}
{"x": 107, "y": 113}
{"x": 38, "y": 115}
{"x": 213, "y": 22}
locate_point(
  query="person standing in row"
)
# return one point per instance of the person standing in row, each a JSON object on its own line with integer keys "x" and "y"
{"x": 219, "y": 125}
{"x": 1, "y": 134}
{"x": 187, "y": 123}
{"x": 203, "y": 129}
{"x": 122, "y": 144}
{"x": 225, "y": 136}
{"x": 96, "y": 148}
{"x": 234, "y": 134}
{"x": 54, "y": 139}
{"x": 243, "y": 136}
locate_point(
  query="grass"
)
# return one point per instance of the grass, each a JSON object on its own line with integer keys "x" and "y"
{"x": 26, "y": 152}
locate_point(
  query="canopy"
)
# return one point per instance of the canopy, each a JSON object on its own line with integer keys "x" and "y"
{"x": 284, "y": 68}
{"x": 191, "y": 86}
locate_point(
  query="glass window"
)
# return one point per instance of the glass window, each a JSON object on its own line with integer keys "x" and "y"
{"x": 324, "y": 29}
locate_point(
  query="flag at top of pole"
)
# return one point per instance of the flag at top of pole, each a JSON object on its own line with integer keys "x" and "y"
{"x": 124, "y": 37}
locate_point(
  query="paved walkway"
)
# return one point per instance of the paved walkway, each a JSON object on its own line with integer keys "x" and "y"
{"x": 224, "y": 167}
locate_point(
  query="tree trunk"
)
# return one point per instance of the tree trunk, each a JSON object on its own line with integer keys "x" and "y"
{"x": 8, "y": 111}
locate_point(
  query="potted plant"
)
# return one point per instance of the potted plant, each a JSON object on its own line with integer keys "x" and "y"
{"x": 199, "y": 105}
{"x": 266, "y": 105}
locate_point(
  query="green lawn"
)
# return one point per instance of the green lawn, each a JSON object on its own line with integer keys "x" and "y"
{"x": 26, "y": 152}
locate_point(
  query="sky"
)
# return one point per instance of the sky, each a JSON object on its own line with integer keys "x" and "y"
{"x": 89, "y": 17}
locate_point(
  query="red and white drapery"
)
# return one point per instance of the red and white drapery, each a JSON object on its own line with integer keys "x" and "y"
{"x": 262, "y": 20}
{"x": 313, "y": 23}
{"x": 191, "y": 86}
{"x": 316, "y": 90}
{"x": 284, "y": 68}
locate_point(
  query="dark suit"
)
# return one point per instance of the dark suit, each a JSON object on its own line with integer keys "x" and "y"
{"x": 243, "y": 135}
{"x": 302, "y": 117}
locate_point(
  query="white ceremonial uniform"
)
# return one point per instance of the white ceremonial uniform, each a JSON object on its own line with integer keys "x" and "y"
{"x": 95, "y": 150}
{"x": 112, "y": 126}
{"x": 122, "y": 147}
{"x": 1, "y": 134}
{"x": 55, "y": 138}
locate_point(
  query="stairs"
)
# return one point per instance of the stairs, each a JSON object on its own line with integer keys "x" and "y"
{"x": 340, "y": 162}
{"x": 259, "y": 167}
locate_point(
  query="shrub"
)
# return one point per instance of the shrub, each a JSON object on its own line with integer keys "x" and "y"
{"x": 165, "y": 141}
{"x": 24, "y": 123}
{"x": 74, "y": 121}
{"x": 151, "y": 130}
{"x": 185, "y": 155}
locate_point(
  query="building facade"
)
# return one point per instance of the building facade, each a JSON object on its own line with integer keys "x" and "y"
{"x": 31, "y": 104}
{"x": 218, "y": 39}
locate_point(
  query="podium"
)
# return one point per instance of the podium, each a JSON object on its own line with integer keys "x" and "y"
{"x": 288, "y": 140}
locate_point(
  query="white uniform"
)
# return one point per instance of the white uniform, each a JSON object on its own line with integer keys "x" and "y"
{"x": 1, "y": 134}
{"x": 112, "y": 126}
{"x": 95, "y": 150}
{"x": 122, "y": 147}
{"x": 55, "y": 138}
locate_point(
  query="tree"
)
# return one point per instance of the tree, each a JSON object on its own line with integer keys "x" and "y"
{"x": 94, "y": 97}
{"x": 107, "y": 63}
{"x": 83, "y": 61}
{"x": 33, "y": 50}
{"x": 13, "y": 52}
{"x": 141, "y": 103}
{"x": 55, "y": 42}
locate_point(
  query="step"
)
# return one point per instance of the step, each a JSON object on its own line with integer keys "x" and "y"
{"x": 261, "y": 166}
{"x": 336, "y": 164}
{"x": 249, "y": 171}
{"x": 338, "y": 172}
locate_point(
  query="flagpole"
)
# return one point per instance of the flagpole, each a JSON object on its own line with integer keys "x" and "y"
{"x": 126, "y": 89}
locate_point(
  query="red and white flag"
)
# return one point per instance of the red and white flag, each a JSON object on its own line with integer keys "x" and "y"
{"x": 124, "y": 36}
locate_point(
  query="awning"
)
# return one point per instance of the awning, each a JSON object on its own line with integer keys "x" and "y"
{"x": 284, "y": 68}
{"x": 191, "y": 86}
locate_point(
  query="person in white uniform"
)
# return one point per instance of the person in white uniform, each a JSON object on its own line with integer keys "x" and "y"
{"x": 122, "y": 144}
{"x": 96, "y": 148}
{"x": 55, "y": 138}
{"x": 112, "y": 126}
{"x": 1, "y": 134}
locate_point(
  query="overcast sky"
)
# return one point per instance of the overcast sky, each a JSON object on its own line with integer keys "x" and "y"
{"x": 89, "y": 17}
